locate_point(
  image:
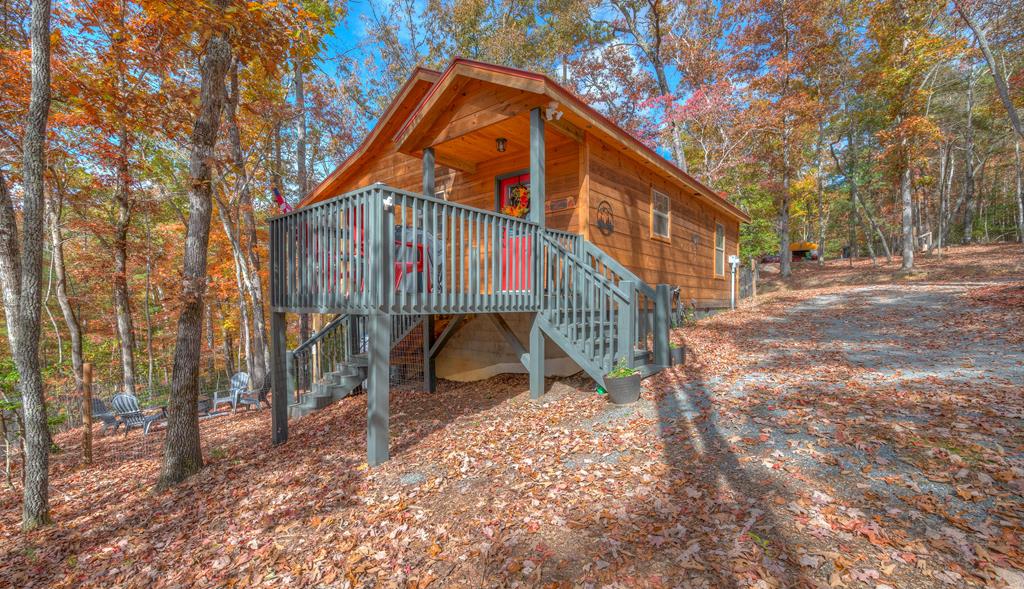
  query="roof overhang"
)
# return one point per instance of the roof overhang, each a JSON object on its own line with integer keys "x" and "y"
{"x": 426, "y": 125}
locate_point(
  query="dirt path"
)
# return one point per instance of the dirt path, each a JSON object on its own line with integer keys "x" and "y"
{"x": 878, "y": 428}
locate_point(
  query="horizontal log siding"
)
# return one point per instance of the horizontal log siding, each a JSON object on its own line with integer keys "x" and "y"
{"x": 626, "y": 185}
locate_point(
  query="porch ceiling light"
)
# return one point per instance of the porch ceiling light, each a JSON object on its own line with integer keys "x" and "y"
{"x": 501, "y": 142}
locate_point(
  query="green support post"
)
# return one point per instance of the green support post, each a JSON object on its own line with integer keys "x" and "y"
{"x": 429, "y": 375}
{"x": 279, "y": 378}
{"x": 537, "y": 195}
{"x": 627, "y": 323}
{"x": 428, "y": 171}
{"x": 378, "y": 393}
{"x": 378, "y": 331}
{"x": 536, "y": 361}
{"x": 537, "y": 166}
{"x": 662, "y": 355}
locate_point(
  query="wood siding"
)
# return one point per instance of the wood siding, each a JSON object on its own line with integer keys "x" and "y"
{"x": 625, "y": 185}
{"x": 583, "y": 176}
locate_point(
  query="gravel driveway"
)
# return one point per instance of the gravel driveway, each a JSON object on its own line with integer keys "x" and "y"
{"x": 878, "y": 429}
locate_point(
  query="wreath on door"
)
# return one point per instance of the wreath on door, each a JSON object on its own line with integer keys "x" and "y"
{"x": 517, "y": 201}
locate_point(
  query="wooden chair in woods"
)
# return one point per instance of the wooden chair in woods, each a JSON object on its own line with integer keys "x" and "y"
{"x": 127, "y": 409}
{"x": 237, "y": 393}
{"x": 104, "y": 414}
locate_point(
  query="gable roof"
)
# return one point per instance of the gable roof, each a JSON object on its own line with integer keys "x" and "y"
{"x": 445, "y": 85}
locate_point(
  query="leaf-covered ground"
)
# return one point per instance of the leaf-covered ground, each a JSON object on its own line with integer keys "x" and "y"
{"x": 850, "y": 435}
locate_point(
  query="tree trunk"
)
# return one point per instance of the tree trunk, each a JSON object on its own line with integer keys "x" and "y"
{"x": 970, "y": 205}
{"x": 908, "y": 218}
{"x": 877, "y": 230}
{"x": 785, "y": 257}
{"x": 26, "y": 285}
{"x": 122, "y": 301}
{"x": 182, "y": 450}
{"x": 997, "y": 77}
{"x": 148, "y": 314}
{"x": 869, "y": 243}
{"x": 300, "y": 161}
{"x": 940, "y": 217}
{"x": 241, "y": 279}
{"x": 300, "y": 131}
{"x": 278, "y": 178}
{"x": 211, "y": 366}
{"x": 229, "y": 353}
{"x": 53, "y": 213}
{"x": 10, "y": 263}
{"x": 821, "y": 193}
{"x": 951, "y": 209}
{"x": 851, "y": 170}
{"x": 1020, "y": 192}
{"x": 249, "y": 258}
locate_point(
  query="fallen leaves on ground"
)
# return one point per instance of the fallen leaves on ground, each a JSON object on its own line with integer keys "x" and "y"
{"x": 840, "y": 436}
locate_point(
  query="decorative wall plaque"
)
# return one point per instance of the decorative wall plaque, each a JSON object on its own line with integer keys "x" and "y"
{"x": 605, "y": 219}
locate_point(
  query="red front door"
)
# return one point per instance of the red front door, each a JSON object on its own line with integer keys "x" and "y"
{"x": 514, "y": 191}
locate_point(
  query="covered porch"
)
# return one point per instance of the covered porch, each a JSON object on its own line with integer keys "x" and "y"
{"x": 500, "y": 149}
{"x": 495, "y": 226}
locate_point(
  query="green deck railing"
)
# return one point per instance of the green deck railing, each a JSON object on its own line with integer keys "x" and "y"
{"x": 393, "y": 251}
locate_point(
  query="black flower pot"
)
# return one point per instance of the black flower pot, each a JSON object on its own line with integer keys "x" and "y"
{"x": 622, "y": 390}
{"x": 678, "y": 355}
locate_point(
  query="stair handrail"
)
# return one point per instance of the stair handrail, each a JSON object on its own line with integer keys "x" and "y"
{"x": 623, "y": 294}
{"x": 319, "y": 335}
{"x": 622, "y": 272}
{"x": 590, "y": 270}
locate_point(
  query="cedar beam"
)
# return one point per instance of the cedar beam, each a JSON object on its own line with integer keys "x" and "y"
{"x": 568, "y": 129}
{"x": 510, "y": 337}
{"x": 450, "y": 330}
{"x": 457, "y": 163}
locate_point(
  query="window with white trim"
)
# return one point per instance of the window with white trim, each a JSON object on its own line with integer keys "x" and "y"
{"x": 719, "y": 249}
{"x": 661, "y": 215}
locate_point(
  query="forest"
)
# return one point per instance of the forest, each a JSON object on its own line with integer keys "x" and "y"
{"x": 144, "y": 143}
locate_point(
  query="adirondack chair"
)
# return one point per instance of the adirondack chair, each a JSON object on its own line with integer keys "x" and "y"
{"x": 126, "y": 406}
{"x": 104, "y": 414}
{"x": 237, "y": 393}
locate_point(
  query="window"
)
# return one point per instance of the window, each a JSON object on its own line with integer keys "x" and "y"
{"x": 660, "y": 215}
{"x": 719, "y": 249}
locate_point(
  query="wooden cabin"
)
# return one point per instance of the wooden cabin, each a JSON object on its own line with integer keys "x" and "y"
{"x": 513, "y": 208}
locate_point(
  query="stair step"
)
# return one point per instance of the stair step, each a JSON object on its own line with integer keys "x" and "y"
{"x": 299, "y": 410}
{"x": 321, "y": 396}
{"x": 349, "y": 380}
{"x": 347, "y": 369}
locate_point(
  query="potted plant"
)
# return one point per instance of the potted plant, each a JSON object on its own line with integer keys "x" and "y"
{"x": 622, "y": 384}
{"x": 678, "y": 352}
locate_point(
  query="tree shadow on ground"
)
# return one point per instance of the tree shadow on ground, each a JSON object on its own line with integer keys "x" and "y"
{"x": 715, "y": 519}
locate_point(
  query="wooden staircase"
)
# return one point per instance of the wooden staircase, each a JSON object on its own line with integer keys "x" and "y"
{"x": 347, "y": 374}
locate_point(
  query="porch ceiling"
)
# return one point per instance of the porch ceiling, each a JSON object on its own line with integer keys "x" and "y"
{"x": 468, "y": 151}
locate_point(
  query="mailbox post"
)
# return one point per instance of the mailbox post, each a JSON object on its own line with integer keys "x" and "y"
{"x": 734, "y": 264}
